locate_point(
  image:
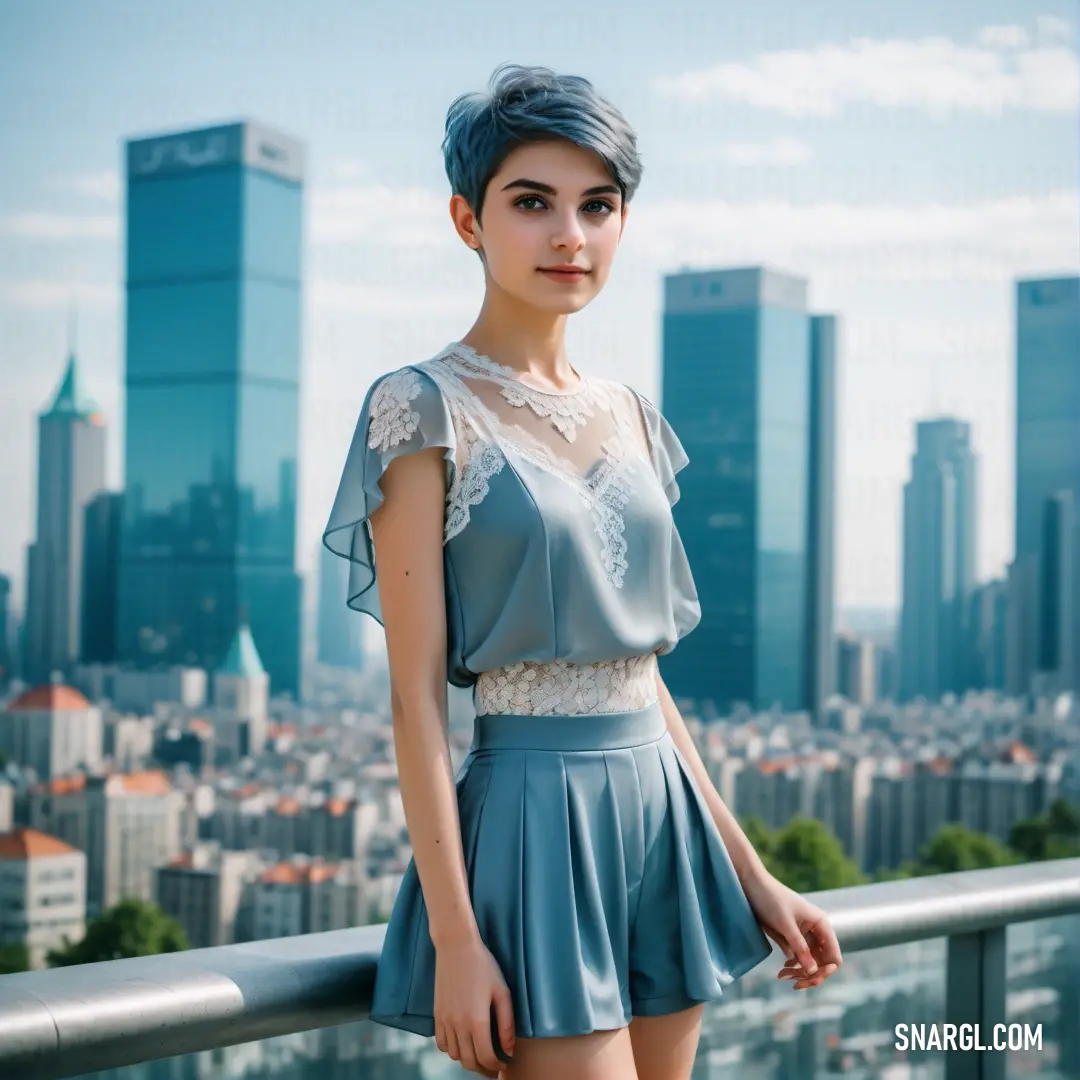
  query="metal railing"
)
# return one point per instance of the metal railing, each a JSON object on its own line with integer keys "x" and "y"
{"x": 69, "y": 1021}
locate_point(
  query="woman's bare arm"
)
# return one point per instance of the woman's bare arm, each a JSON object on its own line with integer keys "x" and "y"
{"x": 784, "y": 916}
{"x": 407, "y": 528}
{"x": 745, "y": 859}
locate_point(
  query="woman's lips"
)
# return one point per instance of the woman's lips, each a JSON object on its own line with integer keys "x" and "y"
{"x": 565, "y": 275}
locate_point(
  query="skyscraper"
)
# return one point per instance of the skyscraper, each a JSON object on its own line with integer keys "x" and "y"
{"x": 1056, "y": 646}
{"x": 1047, "y": 400}
{"x": 101, "y": 556}
{"x": 1047, "y": 461}
{"x": 71, "y": 470}
{"x": 7, "y": 660}
{"x": 821, "y": 516}
{"x": 938, "y": 561}
{"x": 214, "y": 222}
{"x": 737, "y": 390}
{"x": 337, "y": 632}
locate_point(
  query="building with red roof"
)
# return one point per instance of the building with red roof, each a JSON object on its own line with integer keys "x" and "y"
{"x": 44, "y": 892}
{"x": 53, "y": 730}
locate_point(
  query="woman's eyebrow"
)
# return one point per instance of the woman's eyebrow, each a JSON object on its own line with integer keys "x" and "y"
{"x": 604, "y": 189}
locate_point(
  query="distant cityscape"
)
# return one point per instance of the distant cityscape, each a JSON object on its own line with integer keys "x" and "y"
{"x": 182, "y": 723}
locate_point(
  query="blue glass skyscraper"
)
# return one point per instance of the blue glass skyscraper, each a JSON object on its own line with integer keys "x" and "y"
{"x": 939, "y": 561}
{"x": 214, "y": 226}
{"x": 1045, "y": 593}
{"x": 737, "y": 389}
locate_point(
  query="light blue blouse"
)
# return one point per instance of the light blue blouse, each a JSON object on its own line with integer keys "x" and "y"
{"x": 559, "y": 545}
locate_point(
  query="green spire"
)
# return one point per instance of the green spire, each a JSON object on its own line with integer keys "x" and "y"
{"x": 70, "y": 398}
{"x": 243, "y": 658}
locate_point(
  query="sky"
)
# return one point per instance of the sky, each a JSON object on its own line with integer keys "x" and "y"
{"x": 911, "y": 163}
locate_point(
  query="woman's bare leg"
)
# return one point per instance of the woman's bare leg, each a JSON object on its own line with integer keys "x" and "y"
{"x": 665, "y": 1046}
{"x": 603, "y": 1055}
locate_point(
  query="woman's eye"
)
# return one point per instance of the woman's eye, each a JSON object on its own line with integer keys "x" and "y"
{"x": 592, "y": 202}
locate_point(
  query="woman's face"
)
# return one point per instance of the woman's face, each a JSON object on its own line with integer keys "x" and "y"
{"x": 551, "y": 203}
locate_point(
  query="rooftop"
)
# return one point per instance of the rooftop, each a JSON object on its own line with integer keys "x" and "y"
{"x": 23, "y": 844}
{"x": 293, "y": 874}
{"x": 147, "y": 782}
{"x": 49, "y": 697}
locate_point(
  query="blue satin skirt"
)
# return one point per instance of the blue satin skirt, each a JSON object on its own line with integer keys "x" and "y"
{"x": 599, "y": 880}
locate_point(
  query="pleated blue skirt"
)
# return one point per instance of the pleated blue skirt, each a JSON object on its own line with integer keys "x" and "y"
{"x": 599, "y": 880}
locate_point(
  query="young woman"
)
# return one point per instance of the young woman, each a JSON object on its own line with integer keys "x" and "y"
{"x": 578, "y": 890}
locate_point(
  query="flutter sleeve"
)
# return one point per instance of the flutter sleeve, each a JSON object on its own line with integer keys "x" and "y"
{"x": 404, "y": 411}
{"x": 668, "y": 455}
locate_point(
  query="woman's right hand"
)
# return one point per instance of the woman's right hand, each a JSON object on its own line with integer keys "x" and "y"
{"x": 467, "y": 983}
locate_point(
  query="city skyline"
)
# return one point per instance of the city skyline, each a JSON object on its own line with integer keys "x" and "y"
{"x": 912, "y": 212}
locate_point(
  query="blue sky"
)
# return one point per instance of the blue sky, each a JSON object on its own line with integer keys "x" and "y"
{"x": 911, "y": 163}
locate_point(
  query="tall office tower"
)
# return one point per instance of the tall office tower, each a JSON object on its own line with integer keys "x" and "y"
{"x": 736, "y": 388}
{"x": 71, "y": 471}
{"x": 7, "y": 658}
{"x": 1056, "y": 644}
{"x": 1047, "y": 445}
{"x": 338, "y": 629}
{"x": 821, "y": 513}
{"x": 101, "y": 557}
{"x": 987, "y": 635}
{"x": 214, "y": 221}
{"x": 938, "y": 561}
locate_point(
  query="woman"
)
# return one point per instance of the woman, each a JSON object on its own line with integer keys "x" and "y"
{"x": 578, "y": 891}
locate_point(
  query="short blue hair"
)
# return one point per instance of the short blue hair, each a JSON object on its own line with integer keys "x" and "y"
{"x": 533, "y": 104}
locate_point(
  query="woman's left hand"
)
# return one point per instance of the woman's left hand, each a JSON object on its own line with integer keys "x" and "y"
{"x": 802, "y": 930}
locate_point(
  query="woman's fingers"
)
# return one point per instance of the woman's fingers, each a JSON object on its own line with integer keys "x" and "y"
{"x": 828, "y": 947}
{"x": 453, "y": 1046}
{"x": 483, "y": 1046}
{"x": 800, "y": 946}
{"x": 503, "y": 1020}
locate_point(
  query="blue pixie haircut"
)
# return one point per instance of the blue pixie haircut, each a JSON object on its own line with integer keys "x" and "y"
{"x": 533, "y": 104}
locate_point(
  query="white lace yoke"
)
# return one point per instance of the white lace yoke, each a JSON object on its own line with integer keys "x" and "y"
{"x": 592, "y": 435}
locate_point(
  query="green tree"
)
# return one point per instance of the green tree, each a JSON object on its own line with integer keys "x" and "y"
{"x": 130, "y": 928}
{"x": 954, "y": 848}
{"x": 1054, "y": 834}
{"x": 804, "y": 855}
{"x": 14, "y": 958}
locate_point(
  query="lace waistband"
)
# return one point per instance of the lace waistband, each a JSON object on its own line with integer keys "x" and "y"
{"x": 560, "y": 688}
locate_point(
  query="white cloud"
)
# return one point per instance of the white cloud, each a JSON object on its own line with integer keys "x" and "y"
{"x": 103, "y": 185}
{"x": 390, "y": 218}
{"x": 934, "y": 74}
{"x": 51, "y": 227}
{"x": 974, "y": 240}
{"x": 348, "y": 169}
{"x": 1051, "y": 29}
{"x": 780, "y": 152}
{"x": 1003, "y": 37}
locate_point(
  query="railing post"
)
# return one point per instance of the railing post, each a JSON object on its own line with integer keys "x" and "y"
{"x": 975, "y": 996}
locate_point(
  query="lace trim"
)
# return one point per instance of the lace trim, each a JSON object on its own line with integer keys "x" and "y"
{"x": 393, "y": 420}
{"x": 560, "y": 688}
{"x": 482, "y": 461}
{"x": 566, "y": 410}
